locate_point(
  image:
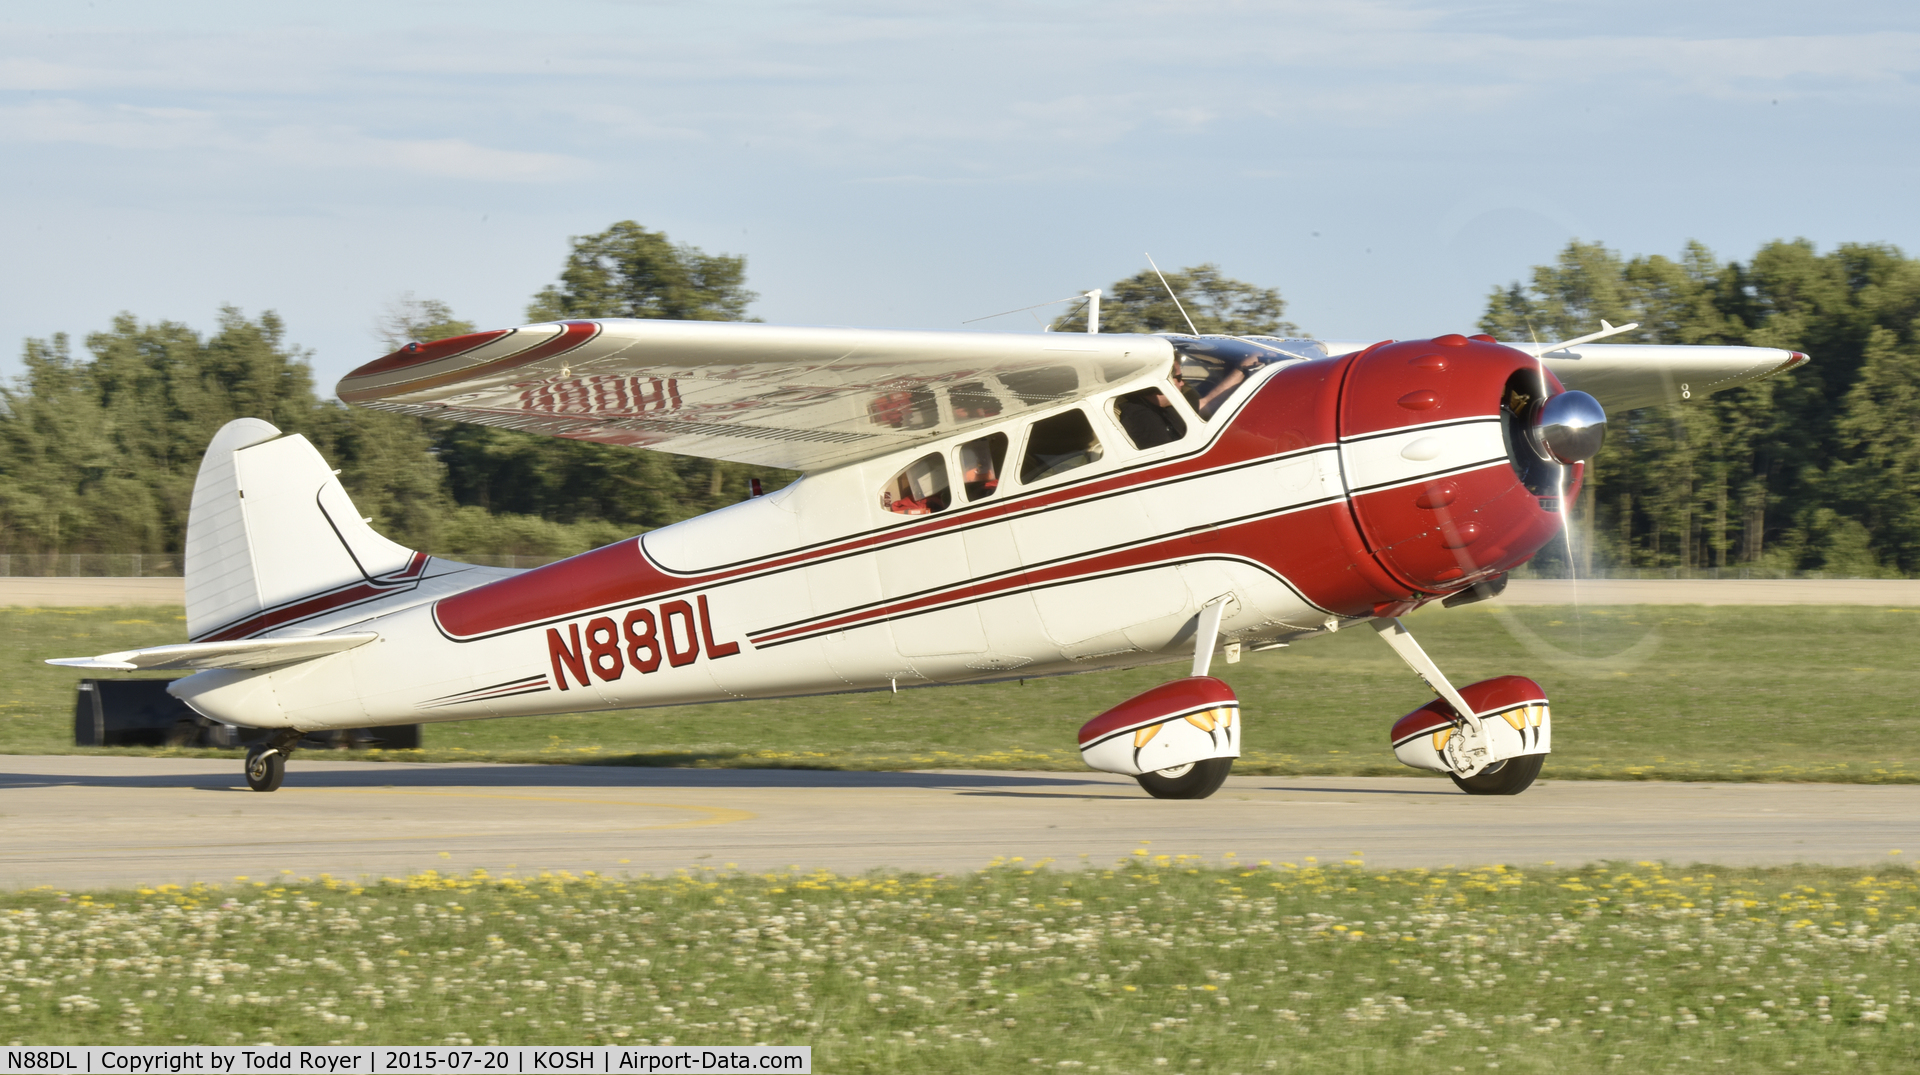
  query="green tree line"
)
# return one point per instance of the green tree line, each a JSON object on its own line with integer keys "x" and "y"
{"x": 1815, "y": 471}
{"x": 99, "y": 450}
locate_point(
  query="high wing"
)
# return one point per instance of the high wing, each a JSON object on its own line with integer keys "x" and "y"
{"x": 1623, "y": 376}
{"x": 800, "y": 398}
{"x": 812, "y": 398}
{"x": 245, "y": 653}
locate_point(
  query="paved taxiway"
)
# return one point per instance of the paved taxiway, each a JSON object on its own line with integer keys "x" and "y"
{"x": 78, "y": 822}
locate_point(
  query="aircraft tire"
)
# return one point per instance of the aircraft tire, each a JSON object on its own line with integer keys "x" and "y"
{"x": 1510, "y": 777}
{"x": 1196, "y": 781}
{"x": 266, "y": 768}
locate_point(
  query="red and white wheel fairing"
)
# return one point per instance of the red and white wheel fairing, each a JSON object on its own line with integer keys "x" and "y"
{"x": 1512, "y": 709}
{"x": 1174, "y": 724}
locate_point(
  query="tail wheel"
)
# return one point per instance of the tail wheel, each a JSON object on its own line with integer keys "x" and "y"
{"x": 266, "y": 768}
{"x": 1193, "y": 781}
{"x": 1509, "y": 777}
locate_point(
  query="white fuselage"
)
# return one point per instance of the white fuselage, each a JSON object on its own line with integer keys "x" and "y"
{"x": 818, "y": 589}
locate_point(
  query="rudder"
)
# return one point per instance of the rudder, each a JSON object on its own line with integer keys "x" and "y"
{"x": 272, "y": 537}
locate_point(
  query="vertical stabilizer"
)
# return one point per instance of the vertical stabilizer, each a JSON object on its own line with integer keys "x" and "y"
{"x": 272, "y": 538}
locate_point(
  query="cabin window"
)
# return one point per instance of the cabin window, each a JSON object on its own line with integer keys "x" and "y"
{"x": 920, "y": 489}
{"x": 1059, "y": 444}
{"x": 1149, "y": 418}
{"x": 980, "y": 463}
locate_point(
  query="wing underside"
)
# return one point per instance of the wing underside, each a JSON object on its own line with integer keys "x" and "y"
{"x": 1623, "y": 376}
{"x": 800, "y": 398}
{"x": 813, "y": 398}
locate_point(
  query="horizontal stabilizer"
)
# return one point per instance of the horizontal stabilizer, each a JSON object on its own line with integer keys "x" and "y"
{"x": 246, "y": 653}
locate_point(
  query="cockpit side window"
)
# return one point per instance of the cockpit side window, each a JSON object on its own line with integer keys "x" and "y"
{"x": 980, "y": 464}
{"x": 1149, "y": 417}
{"x": 1059, "y": 444}
{"x": 920, "y": 489}
{"x": 1208, "y": 370}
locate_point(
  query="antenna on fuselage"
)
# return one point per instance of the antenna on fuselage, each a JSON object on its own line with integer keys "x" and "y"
{"x": 1093, "y": 310}
{"x": 1091, "y": 296}
{"x": 1170, "y": 294}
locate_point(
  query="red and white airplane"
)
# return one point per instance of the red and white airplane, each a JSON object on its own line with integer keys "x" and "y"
{"x": 974, "y": 507}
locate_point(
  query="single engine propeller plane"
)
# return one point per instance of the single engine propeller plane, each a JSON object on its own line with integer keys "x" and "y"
{"x": 973, "y": 507}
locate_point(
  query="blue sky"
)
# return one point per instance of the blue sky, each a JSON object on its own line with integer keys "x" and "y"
{"x": 916, "y": 164}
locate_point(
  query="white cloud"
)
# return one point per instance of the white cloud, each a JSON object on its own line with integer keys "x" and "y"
{"x": 125, "y": 127}
{"x": 982, "y": 138}
{"x": 134, "y": 129}
{"x": 444, "y": 158}
{"x": 840, "y": 80}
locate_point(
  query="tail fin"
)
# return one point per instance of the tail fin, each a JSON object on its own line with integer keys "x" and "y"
{"x": 272, "y": 538}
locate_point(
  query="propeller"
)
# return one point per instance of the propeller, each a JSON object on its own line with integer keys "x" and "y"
{"x": 1566, "y": 429}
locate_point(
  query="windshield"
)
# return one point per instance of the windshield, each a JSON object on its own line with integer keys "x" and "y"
{"x": 1208, "y": 370}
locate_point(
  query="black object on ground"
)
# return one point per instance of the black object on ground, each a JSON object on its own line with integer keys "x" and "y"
{"x": 140, "y": 713}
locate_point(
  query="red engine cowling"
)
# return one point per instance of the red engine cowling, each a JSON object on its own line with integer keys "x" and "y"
{"x": 1443, "y": 485}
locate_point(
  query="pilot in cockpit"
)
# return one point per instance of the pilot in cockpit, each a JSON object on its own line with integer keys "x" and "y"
{"x": 1214, "y": 391}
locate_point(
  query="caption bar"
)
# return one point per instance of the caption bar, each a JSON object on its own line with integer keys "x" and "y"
{"x": 382, "y": 1060}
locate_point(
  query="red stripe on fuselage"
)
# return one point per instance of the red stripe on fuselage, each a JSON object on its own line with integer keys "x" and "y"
{"x": 623, "y": 572}
{"x": 308, "y": 607}
{"x": 1293, "y": 545}
{"x": 1319, "y": 551}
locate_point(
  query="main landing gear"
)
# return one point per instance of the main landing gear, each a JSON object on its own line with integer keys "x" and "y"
{"x": 1198, "y": 779}
{"x": 267, "y": 761}
{"x": 1178, "y": 740}
{"x": 1490, "y": 737}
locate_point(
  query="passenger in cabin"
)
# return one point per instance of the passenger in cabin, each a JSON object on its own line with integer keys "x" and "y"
{"x": 1148, "y": 418}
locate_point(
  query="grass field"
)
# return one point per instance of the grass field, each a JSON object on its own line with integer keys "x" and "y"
{"x": 1154, "y": 965}
{"x": 1653, "y": 692}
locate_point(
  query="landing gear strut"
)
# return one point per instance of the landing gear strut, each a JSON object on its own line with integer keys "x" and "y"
{"x": 1492, "y": 745}
{"x": 267, "y": 762}
{"x": 1195, "y": 780}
